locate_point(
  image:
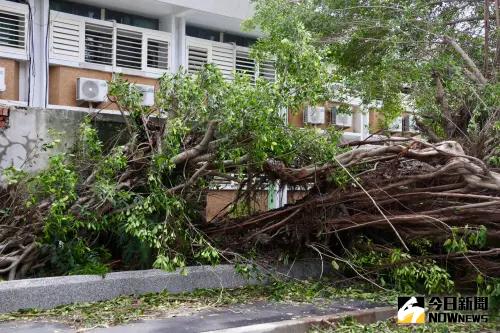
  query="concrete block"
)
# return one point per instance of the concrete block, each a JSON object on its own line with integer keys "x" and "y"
{"x": 45, "y": 293}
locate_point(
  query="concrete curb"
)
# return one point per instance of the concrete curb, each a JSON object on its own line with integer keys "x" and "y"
{"x": 303, "y": 325}
{"x": 46, "y": 293}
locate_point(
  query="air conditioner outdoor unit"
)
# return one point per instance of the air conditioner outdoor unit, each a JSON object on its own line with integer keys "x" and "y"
{"x": 148, "y": 94}
{"x": 2, "y": 79}
{"x": 314, "y": 115}
{"x": 91, "y": 90}
{"x": 397, "y": 125}
{"x": 341, "y": 119}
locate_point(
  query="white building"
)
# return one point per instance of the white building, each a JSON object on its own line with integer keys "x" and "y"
{"x": 46, "y": 44}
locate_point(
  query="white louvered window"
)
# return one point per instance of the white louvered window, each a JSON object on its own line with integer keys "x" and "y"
{"x": 128, "y": 49}
{"x": 267, "y": 71}
{"x": 197, "y": 57}
{"x": 75, "y": 39}
{"x": 13, "y": 29}
{"x": 244, "y": 64}
{"x": 98, "y": 44}
{"x": 223, "y": 57}
{"x": 229, "y": 58}
{"x": 158, "y": 54}
{"x": 65, "y": 38}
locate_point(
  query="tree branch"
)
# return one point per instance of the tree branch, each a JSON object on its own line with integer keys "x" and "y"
{"x": 475, "y": 70}
{"x": 433, "y": 137}
{"x": 199, "y": 148}
{"x": 191, "y": 180}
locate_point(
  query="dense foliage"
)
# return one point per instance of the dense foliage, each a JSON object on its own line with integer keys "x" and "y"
{"x": 439, "y": 59}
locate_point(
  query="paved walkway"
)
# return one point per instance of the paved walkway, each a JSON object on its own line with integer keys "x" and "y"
{"x": 207, "y": 320}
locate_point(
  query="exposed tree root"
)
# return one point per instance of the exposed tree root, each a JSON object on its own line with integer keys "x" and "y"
{"x": 422, "y": 191}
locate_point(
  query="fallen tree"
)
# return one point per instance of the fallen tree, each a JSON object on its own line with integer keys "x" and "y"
{"x": 387, "y": 209}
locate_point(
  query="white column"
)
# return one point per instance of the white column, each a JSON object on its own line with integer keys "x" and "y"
{"x": 282, "y": 197}
{"x": 39, "y": 68}
{"x": 365, "y": 122}
{"x": 282, "y": 194}
{"x": 180, "y": 55}
{"x": 167, "y": 24}
{"x": 357, "y": 121}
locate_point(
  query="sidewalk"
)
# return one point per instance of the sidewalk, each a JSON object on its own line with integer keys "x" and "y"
{"x": 207, "y": 320}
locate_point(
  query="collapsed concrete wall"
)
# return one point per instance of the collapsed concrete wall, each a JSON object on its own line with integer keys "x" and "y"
{"x": 27, "y": 130}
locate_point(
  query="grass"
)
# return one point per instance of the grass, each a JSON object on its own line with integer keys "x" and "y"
{"x": 129, "y": 308}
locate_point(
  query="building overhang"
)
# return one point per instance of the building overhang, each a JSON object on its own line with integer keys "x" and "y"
{"x": 223, "y": 15}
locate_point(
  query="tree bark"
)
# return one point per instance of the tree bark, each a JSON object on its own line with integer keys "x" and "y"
{"x": 441, "y": 99}
{"x": 486, "y": 37}
{"x": 497, "y": 53}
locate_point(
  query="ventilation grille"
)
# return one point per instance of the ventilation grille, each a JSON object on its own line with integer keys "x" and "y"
{"x": 223, "y": 58}
{"x": 12, "y": 29}
{"x": 128, "y": 49}
{"x": 197, "y": 58}
{"x": 157, "y": 54}
{"x": 244, "y": 64}
{"x": 66, "y": 38}
{"x": 98, "y": 44}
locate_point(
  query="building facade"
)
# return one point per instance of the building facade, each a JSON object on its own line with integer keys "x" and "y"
{"x": 46, "y": 46}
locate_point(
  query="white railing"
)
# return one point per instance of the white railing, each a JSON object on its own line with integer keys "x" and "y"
{"x": 13, "y": 30}
{"x": 75, "y": 40}
{"x": 229, "y": 58}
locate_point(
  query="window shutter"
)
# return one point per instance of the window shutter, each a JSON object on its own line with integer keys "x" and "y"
{"x": 223, "y": 57}
{"x": 98, "y": 44}
{"x": 197, "y": 57}
{"x": 158, "y": 54}
{"x": 244, "y": 64}
{"x": 12, "y": 29}
{"x": 128, "y": 49}
{"x": 65, "y": 39}
{"x": 75, "y": 39}
{"x": 267, "y": 71}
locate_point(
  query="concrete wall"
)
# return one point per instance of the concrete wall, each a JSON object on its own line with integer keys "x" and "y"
{"x": 21, "y": 142}
{"x": 62, "y": 84}
{"x": 11, "y": 79}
